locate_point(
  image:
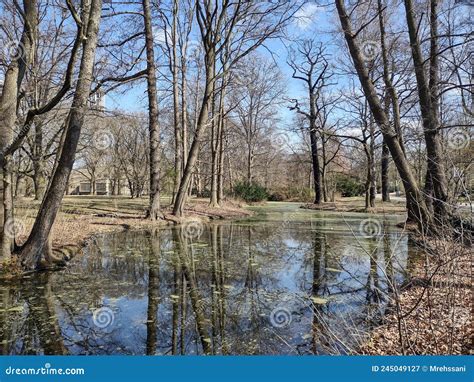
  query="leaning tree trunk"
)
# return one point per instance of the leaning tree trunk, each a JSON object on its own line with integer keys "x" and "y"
{"x": 412, "y": 191}
{"x": 32, "y": 251}
{"x": 13, "y": 79}
{"x": 389, "y": 96}
{"x": 428, "y": 99}
{"x": 201, "y": 126}
{"x": 153, "y": 128}
{"x": 384, "y": 170}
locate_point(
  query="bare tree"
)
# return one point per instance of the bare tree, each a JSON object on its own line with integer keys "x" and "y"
{"x": 310, "y": 65}
{"x": 412, "y": 190}
{"x": 154, "y": 129}
{"x": 246, "y": 25}
{"x": 32, "y": 251}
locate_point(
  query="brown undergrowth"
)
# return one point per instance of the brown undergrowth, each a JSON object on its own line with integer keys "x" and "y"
{"x": 432, "y": 312}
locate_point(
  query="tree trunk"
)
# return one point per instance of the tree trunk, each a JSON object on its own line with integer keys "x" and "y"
{"x": 390, "y": 97}
{"x": 13, "y": 79}
{"x": 184, "y": 114}
{"x": 32, "y": 251}
{"x": 153, "y": 127}
{"x": 39, "y": 178}
{"x": 315, "y": 162}
{"x": 412, "y": 191}
{"x": 428, "y": 100}
{"x": 384, "y": 170}
{"x": 220, "y": 176}
{"x": 215, "y": 137}
{"x": 178, "y": 166}
{"x": 249, "y": 163}
{"x": 200, "y": 129}
{"x": 323, "y": 168}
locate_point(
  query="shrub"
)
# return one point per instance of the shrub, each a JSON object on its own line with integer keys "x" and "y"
{"x": 293, "y": 194}
{"x": 250, "y": 192}
{"x": 348, "y": 186}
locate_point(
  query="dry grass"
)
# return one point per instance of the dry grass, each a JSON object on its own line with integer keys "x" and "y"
{"x": 82, "y": 216}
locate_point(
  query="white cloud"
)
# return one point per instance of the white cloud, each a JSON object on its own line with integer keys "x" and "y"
{"x": 306, "y": 16}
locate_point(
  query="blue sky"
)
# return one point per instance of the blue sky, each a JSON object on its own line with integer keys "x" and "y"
{"x": 312, "y": 21}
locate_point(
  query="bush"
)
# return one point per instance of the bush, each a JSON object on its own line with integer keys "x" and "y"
{"x": 277, "y": 196}
{"x": 294, "y": 194}
{"x": 348, "y": 186}
{"x": 250, "y": 192}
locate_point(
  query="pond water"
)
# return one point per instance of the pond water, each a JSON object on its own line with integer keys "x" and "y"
{"x": 286, "y": 281}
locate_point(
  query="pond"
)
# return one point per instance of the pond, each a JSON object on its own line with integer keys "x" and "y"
{"x": 285, "y": 281}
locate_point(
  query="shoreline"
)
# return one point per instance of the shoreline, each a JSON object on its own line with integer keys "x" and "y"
{"x": 73, "y": 230}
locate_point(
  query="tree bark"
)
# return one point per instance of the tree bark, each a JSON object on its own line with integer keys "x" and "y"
{"x": 315, "y": 162}
{"x": 215, "y": 137}
{"x": 220, "y": 176}
{"x": 384, "y": 170}
{"x": 314, "y": 147}
{"x": 13, "y": 79}
{"x": 428, "y": 100}
{"x": 200, "y": 129}
{"x": 153, "y": 127}
{"x": 178, "y": 157}
{"x": 412, "y": 191}
{"x": 32, "y": 251}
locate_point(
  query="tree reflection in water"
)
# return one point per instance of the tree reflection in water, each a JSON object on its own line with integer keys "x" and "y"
{"x": 170, "y": 294}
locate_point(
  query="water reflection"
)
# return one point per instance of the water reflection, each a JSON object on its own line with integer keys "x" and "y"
{"x": 168, "y": 294}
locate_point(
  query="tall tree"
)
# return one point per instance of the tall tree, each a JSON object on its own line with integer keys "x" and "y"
{"x": 309, "y": 64}
{"x": 219, "y": 23}
{"x": 36, "y": 246}
{"x": 14, "y": 76}
{"x": 417, "y": 203}
{"x": 153, "y": 126}
{"x": 428, "y": 97}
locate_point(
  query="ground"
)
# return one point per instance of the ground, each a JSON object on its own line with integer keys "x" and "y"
{"x": 357, "y": 204}
{"x": 434, "y": 313}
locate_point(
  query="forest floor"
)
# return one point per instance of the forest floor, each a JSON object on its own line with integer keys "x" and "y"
{"x": 82, "y": 217}
{"x": 434, "y": 314}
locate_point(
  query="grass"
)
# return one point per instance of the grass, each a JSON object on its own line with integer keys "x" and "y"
{"x": 357, "y": 204}
{"x": 82, "y": 217}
